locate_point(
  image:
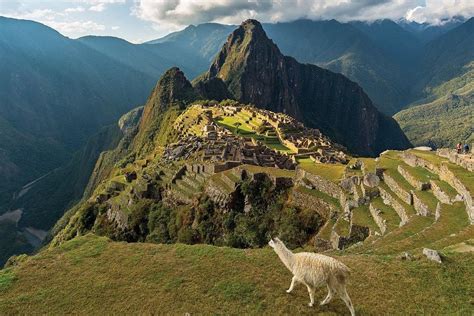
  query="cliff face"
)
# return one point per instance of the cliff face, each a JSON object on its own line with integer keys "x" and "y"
{"x": 254, "y": 71}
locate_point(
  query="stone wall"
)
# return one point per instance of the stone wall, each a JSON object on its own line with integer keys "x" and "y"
{"x": 415, "y": 161}
{"x": 446, "y": 175}
{"x": 179, "y": 174}
{"x": 463, "y": 160}
{"x": 357, "y": 234}
{"x": 381, "y": 223}
{"x": 419, "y": 185}
{"x": 389, "y": 200}
{"x": 439, "y": 193}
{"x": 404, "y": 195}
{"x": 310, "y": 202}
{"x": 319, "y": 183}
{"x": 229, "y": 182}
{"x": 421, "y": 208}
{"x": 219, "y": 197}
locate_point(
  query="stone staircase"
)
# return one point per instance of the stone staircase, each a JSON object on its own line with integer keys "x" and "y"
{"x": 188, "y": 184}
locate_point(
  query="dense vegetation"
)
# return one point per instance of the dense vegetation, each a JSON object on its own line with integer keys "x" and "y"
{"x": 241, "y": 226}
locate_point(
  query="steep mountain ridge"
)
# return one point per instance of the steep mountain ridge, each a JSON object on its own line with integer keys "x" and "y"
{"x": 353, "y": 49}
{"x": 254, "y": 71}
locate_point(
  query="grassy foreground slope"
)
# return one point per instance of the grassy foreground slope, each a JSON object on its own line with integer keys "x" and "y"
{"x": 92, "y": 275}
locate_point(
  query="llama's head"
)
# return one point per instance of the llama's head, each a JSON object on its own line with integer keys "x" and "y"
{"x": 275, "y": 243}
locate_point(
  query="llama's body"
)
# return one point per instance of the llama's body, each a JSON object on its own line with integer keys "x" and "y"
{"x": 315, "y": 270}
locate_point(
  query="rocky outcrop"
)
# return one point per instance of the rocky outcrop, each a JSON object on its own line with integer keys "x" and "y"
{"x": 371, "y": 180}
{"x": 432, "y": 255}
{"x": 253, "y": 70}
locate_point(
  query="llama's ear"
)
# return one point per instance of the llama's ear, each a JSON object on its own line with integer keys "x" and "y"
{"x": 278, "y": 239}
{"x": 271, "y": 243}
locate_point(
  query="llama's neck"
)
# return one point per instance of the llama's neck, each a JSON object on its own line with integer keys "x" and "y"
{"x": 286, "y": 256}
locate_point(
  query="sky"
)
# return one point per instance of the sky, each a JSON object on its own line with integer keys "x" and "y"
{"x": 141, "y": 20}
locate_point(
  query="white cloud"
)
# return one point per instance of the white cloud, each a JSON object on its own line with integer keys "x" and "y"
{"x": 74, "y": 10}
{"x": 59, "y": 21}
{"x": 115, "y": 28}
{"x": 98, "y": 7}
{"x": 76, "y": 27}
{"x": 37, "y": 15}
{"x": 172, "y": 14}
{"x": 438, "y": 11}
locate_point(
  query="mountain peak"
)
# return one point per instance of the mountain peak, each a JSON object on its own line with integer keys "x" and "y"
{"x": 246, "y": 47}
{"x": 173, "y": 89}
{"x": 251, "y": 24}
{"x": 251, "y": 69}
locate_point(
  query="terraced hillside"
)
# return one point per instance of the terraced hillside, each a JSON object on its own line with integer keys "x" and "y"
{"x": 375, "y": 215}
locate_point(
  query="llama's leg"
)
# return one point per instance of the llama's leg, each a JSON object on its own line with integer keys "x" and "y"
{"x": 311, "y": 295}
{"x": 292, "y": 285}
{"x": 328, "y": 297}
{"x": 345, "y": 297}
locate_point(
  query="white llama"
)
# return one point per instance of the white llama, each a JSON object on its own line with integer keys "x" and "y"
{"x": 315, "y": 270}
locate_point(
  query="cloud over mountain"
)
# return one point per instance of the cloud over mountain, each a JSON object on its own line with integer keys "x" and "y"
{"x": 184, "y": 12}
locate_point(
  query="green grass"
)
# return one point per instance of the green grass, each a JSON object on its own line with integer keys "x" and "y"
{"x": 342, "y": 227}
{"x": 388, "y": 214}
{"x": 429, "y": 156}
{"x": 332, "y": 172}
{"x": 276, "y": 172}
{"x": 390, "y": 161}
{"x": 361, "y": 216}
{"x": 446, "y": 188}
{"x": 408, "y": 208}
{"x": 7, "y": 277}
{"x": 420, "y": 173}
{"x": 452, "y": 220}
{"x": 428, "y": 199}
{"x": 388, "y": 244}
{"x": 217, "y": 180}
{"x": 369, "y": 164}
{"x": 466, "y": 177}
{"x": 246, "y": 130}
{"x": 176, "y": 279}
{"x": 325, "y": 232}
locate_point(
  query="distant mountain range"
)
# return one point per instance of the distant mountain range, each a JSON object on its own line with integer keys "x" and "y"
{"x": 58, "y": 94}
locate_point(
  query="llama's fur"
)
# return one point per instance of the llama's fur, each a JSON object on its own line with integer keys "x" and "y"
{"x": 315, "y": 270}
